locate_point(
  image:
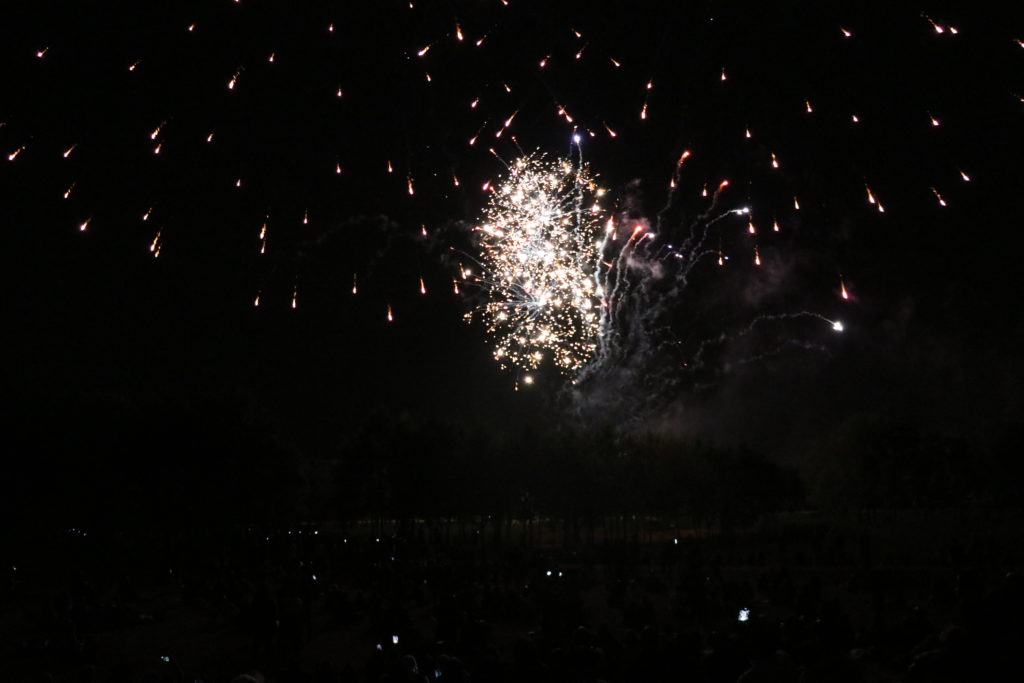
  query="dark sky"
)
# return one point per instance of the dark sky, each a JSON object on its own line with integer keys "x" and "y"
{"x": 92, "y": 318}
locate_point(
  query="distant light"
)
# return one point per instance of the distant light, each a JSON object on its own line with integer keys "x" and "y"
{"x": 744, "y": 614}
{"x": 837, "y": 326}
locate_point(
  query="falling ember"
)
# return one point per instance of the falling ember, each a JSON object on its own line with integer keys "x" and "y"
{"x": 423, "y": 51}
{"x": 721, "y": 258}
{"x": 723, "y": 73}
{"x": 486, "y": 186}
{"x": 429, "y": 79}
{"x": 842, "y": 289}
{"x": 42, "y": 53}
{"x": 704, "y": 190}
{"x": 271, "y": 60}
{"x": 455, "y": 179}
{"x": 757, "y": 257}
{"x": 159, "y": 146}
{"x": 330, "y": 28}
{"x": 507, "y": 88}
{"x": 423, "y": 287}
{"x": 935, "y": 121}
{"x": 544, "y": 62}
{"x": 337, "y": 169}
{"x": 643, "y": 112}
{"x": 233, "y": 81}
{"x": 209, "y": 138}
{"x": 871, "y": 197}
{"x": 775, "y": 225}
{"x": 746, "y": 133}
{"x": 942, "y": 202}
{"x": 936, "y": 27}
{"x": 84, "y": 224}
{"x": 750, "y": 226}
{"x": 846, "y": 33}
{"x": 881, "y": 209}
{"x": 683, "y": 157}
{"x": 455, "y": 286}
{"x": 966, "y": 177}
{"x": 191, "y": 27}
{"x": 423, "y": 229}
{"x": 458, "y": 32}
{"x": 472, "y": 105}
{"x": 305, "y": 217}
{"x": 155, "y": 243}
{"x": 481, "y": 41}
{"x": 796, "y": 204}
{"x": 775, "y": 162}
{"x": 256, "y": 301}
{"x": 355, "y": 284}
{"x": 295, "y": 297}
{"x": 156, "y": 131}
{"x": 69, "y": 150}
{"x": 134, "y": 64}
{"x": 338, "y": 93}
{"x": 854, "y": 118}
{"x": 408, "y": 182}
{"x": 67, "y": 192}
{"x": 615, "y": 63}
{"x": 722, "y": 185}
{"x": 810, "y": 109}
{"x": 146, "y": 215}
{"x": 391, "y": 317}
{"x": 238, "y": 183}
{"x": 837, "y": 326}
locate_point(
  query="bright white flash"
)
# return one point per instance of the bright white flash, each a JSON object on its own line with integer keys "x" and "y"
{"x": 539, "y": 248}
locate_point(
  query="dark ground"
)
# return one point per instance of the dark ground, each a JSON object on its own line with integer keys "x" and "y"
{"x": 900, "y": 596}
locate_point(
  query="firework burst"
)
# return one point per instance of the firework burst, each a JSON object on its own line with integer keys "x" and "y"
{"x": 540, "y": 248}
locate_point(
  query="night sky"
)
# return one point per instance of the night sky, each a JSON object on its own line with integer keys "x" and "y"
{"x": 97, "y": 329}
